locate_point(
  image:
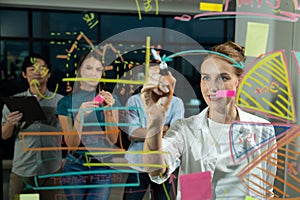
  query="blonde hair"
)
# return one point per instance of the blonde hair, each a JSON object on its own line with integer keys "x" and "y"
{"x": 232, "y": 50}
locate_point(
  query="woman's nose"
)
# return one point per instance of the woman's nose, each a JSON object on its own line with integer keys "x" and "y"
{"x": 212, "y": 86}
{"x": 215, "y": 86}
{"x": 95, "y": 71}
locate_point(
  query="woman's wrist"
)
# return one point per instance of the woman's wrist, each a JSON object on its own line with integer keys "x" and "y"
{"x": 78, "y": 120}
{"x": 108, "y": 113}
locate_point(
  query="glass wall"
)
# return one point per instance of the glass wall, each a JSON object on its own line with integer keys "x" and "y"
{"x": 63, "y": 36}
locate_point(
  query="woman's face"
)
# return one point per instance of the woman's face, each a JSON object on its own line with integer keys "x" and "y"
{"x": 91, "y": 68}
{"x": 217, "y": 74}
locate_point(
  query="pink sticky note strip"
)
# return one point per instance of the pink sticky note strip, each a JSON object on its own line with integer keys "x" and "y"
{"x": 99, "y": 98}
{"x": 225, "y": 93}
{"x": 196, "y": 186}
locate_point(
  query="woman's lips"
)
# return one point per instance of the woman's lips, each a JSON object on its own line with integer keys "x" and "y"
{"x": 212, "y": 97}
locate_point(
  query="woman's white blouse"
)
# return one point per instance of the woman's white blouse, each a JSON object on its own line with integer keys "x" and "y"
{"x": 201, "y": 145}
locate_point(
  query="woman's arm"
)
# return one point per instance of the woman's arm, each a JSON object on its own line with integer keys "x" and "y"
{"x": 111, "y": 116}
{"x": 156, "y": 96}
{"x": 153, "y": 142}
{"x": 74, "y": 129}
{"x": 72, "y": 140}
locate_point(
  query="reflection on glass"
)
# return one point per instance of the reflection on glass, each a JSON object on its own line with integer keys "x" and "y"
{"x": 13, "y": 23}
{"x": 12, "y": 55}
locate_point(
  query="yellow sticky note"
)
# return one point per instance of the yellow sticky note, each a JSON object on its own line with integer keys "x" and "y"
{"x": 28, "y": 197}
{"x": 249, "y": 198}
{"x": 256, "y": 39}
{"x": 211, "y": 7}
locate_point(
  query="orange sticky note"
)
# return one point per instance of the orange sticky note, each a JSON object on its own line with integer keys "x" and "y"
{"x": 196, "y": 186}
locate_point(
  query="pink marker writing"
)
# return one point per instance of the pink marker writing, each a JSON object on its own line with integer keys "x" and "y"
{"x": 225, "y": 93}
{"x": 99, "y": 99}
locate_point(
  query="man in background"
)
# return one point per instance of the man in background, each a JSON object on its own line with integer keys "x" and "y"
{"x": 29, "y": 164}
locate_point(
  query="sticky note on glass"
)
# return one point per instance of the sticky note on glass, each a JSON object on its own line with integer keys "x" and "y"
{"x": 225, "y": 93}
{"x": 217, "y": 7}
{"x": 256, "y": 39}
{"x": 249, "y": 198}
{"x": 196, "y": 186}
{"x": 28, "y": 197}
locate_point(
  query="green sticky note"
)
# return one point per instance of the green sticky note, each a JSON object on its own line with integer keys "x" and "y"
{"x": 249, "y": 198}
{"x": 256, "y": 39}
{"x": 28, "y": 197}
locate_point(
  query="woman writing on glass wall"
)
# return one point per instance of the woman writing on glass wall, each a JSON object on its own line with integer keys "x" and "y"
{"x": 202, "y": 142}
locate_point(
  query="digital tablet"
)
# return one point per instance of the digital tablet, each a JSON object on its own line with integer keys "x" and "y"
{"x": 28, "y": 105}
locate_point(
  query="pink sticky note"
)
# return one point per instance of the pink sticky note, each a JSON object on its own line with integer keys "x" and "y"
{"x": 99, "y": 98}
{"x": 225, "y": 93}
{"x": 196, "y": 186}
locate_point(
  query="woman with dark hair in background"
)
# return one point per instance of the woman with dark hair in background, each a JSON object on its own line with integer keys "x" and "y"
{"x": 81, "y": 113}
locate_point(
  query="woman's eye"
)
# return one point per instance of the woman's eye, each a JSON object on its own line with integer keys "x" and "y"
{"x": 99, "y": 69}
{"x": 224, "y": 78}
{"x": 205, "y": 78}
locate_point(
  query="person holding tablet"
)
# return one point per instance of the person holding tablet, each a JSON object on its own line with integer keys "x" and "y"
{"x": 28, "y": 164}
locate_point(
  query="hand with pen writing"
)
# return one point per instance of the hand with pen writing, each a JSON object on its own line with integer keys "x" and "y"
{"x": 158, "y": 89}
{"x": 157, "y": 94}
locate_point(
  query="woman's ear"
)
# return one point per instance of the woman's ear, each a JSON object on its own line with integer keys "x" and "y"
{"x": 239, "y": 80}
